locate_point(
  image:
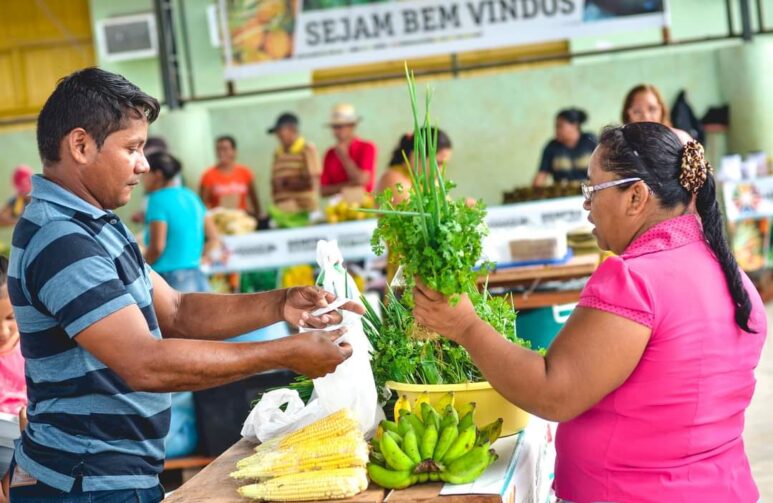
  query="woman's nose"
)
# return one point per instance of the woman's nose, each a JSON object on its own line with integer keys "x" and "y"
{"x": 586, "y": 205}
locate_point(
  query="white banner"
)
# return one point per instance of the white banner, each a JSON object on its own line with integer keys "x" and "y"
{"x": 275, "y": 36}
{"x": 280, "y": 248}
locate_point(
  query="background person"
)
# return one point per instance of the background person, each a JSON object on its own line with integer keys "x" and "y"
{"x": 665, "y": 338}
{"x": 295, "y": 170}
{"x": 645, "y": 103}
{"x": 228, "y": 184}
{"x": 352, "y": 161}
{"x": 21, "y": 179}
{"x": 179, "y": 231}
{"x": 565, "y": 158}
{"x": 397, "y": 172}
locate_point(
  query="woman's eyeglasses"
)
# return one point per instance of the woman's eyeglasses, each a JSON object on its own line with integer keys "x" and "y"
{"x": 589, "y": 190}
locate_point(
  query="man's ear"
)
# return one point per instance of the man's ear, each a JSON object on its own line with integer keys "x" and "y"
{"x": 79, "y": 145}
{"x": 637, "y": 198}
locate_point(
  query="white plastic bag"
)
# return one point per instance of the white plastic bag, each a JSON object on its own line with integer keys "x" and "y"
{"x": 350, "y": 386}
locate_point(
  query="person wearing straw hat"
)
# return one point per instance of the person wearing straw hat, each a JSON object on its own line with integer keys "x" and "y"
{"x": 352, "y": 161}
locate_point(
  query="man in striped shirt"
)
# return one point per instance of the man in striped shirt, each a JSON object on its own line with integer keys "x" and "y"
{"x": 104, "y": 337}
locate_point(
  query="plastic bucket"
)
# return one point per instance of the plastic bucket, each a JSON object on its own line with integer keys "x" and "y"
{"x": 490, "y": 405}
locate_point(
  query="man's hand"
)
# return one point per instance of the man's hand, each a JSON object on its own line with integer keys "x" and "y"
{"x": 342, "y": 150}
{"x": 434, "y": 311}
{"x": 300, "y": 302}
{"x": 315, "y": 354}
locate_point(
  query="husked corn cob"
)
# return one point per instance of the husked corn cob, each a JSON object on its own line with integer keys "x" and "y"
{"x": 344, "y": 452}
{"x": 321, "y": 485}
{"x": 352, "y": 437}
{"x": 336, "y": 424}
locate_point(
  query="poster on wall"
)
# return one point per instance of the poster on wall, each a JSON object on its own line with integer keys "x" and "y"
{"x": 275, "y": 36}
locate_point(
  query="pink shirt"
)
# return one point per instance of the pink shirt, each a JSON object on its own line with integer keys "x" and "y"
{"x": 13, "y": 386}
{"x": 672, "y": 431}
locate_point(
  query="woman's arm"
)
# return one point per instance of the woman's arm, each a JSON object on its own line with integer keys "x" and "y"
{"x": 389, "y": 180}
{"x": 592, "y": 356}
{"x": 157, "y": 241}
{"x": 211, "y": 236}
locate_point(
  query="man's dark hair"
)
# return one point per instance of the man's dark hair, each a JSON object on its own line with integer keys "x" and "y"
{"x": 230, "y": 139}
{"x": 100, "y": 102}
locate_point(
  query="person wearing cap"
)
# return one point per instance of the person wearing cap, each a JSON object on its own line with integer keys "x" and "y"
{"x": 22, "y": 184}
{"x": 352, "y": 161}
{"x": 295, "y": 171}
{"x": 229, "y": 184}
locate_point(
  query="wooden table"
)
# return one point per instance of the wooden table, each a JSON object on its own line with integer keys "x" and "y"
{"x": 213, "y": 485}
{"x": 577, "y": 267}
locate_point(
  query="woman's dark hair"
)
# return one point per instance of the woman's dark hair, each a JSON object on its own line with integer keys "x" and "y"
{"x": 167, "y": 164}
{"x": 573, "y": 116}
{"x": 406, "y": 145}
{"x": 230, "y": 139}
{"x": 653, "y": 152}
{"x": 100, "y": 102}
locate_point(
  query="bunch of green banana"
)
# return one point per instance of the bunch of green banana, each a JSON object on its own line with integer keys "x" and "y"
{"x": 432, "y": 444}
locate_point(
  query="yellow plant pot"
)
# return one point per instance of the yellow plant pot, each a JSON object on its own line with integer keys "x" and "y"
{"x": 490, "y": 405}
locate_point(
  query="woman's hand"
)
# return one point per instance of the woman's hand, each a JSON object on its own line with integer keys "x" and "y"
{"x": 434, "y": 311}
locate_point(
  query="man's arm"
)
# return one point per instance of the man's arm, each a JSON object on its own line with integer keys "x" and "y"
{"x": 216, "y": 317}
{"x": 357, "y": 174}
{"x": 252, "y": 195}
{"x": 122, "y": 342}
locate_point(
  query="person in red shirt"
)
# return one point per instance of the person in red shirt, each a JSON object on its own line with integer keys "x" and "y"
{"x": 352, "y": 161}
{"x": 229, "y": 184}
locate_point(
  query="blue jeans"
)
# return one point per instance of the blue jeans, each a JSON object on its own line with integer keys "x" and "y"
{"x": 42, "y": 493}
{"x": 186, "y": 280}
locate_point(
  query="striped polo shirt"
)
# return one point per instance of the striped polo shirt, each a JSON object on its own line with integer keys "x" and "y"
{"x": 73, "y": 264}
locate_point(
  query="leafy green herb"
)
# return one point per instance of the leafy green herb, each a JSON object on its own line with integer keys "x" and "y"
{"x": 431, "y": 235}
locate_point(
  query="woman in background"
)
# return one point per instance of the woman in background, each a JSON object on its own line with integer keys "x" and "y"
{"x": 179, "y": 232}
{"x": 644, "y": 103}
{"x": 566, "y": 157}
{"x": 397, "y": 172}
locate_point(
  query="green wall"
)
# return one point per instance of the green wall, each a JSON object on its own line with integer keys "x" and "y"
{"x": 498, "y": 122}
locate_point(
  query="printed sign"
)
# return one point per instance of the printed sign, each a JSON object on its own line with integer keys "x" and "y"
{"x": 275, "y": 36}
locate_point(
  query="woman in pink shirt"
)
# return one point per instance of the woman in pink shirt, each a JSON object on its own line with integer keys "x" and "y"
{"x": 652, "y": 374}
{"x": 13, "y": 387}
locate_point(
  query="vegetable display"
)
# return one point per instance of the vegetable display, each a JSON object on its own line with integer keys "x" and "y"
{"x": 325, "y": 460}
{"x": 431, "y": 443}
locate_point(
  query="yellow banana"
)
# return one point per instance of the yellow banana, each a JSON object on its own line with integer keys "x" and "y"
{"x": 445, "y": 400}
{"x": 401, "y": 404}
{"x": 466, "y": 408}
{"x": 491, "y": 432}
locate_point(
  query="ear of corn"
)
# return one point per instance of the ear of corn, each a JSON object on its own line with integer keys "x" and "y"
{"x": 321, "y": 485}
{"x": 337, "y": 424}
{"x": 338, "y": 452}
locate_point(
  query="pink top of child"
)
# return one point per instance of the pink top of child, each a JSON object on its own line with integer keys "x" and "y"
{"x": 672, "y": 431}
{"x": 13, "y": 387}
